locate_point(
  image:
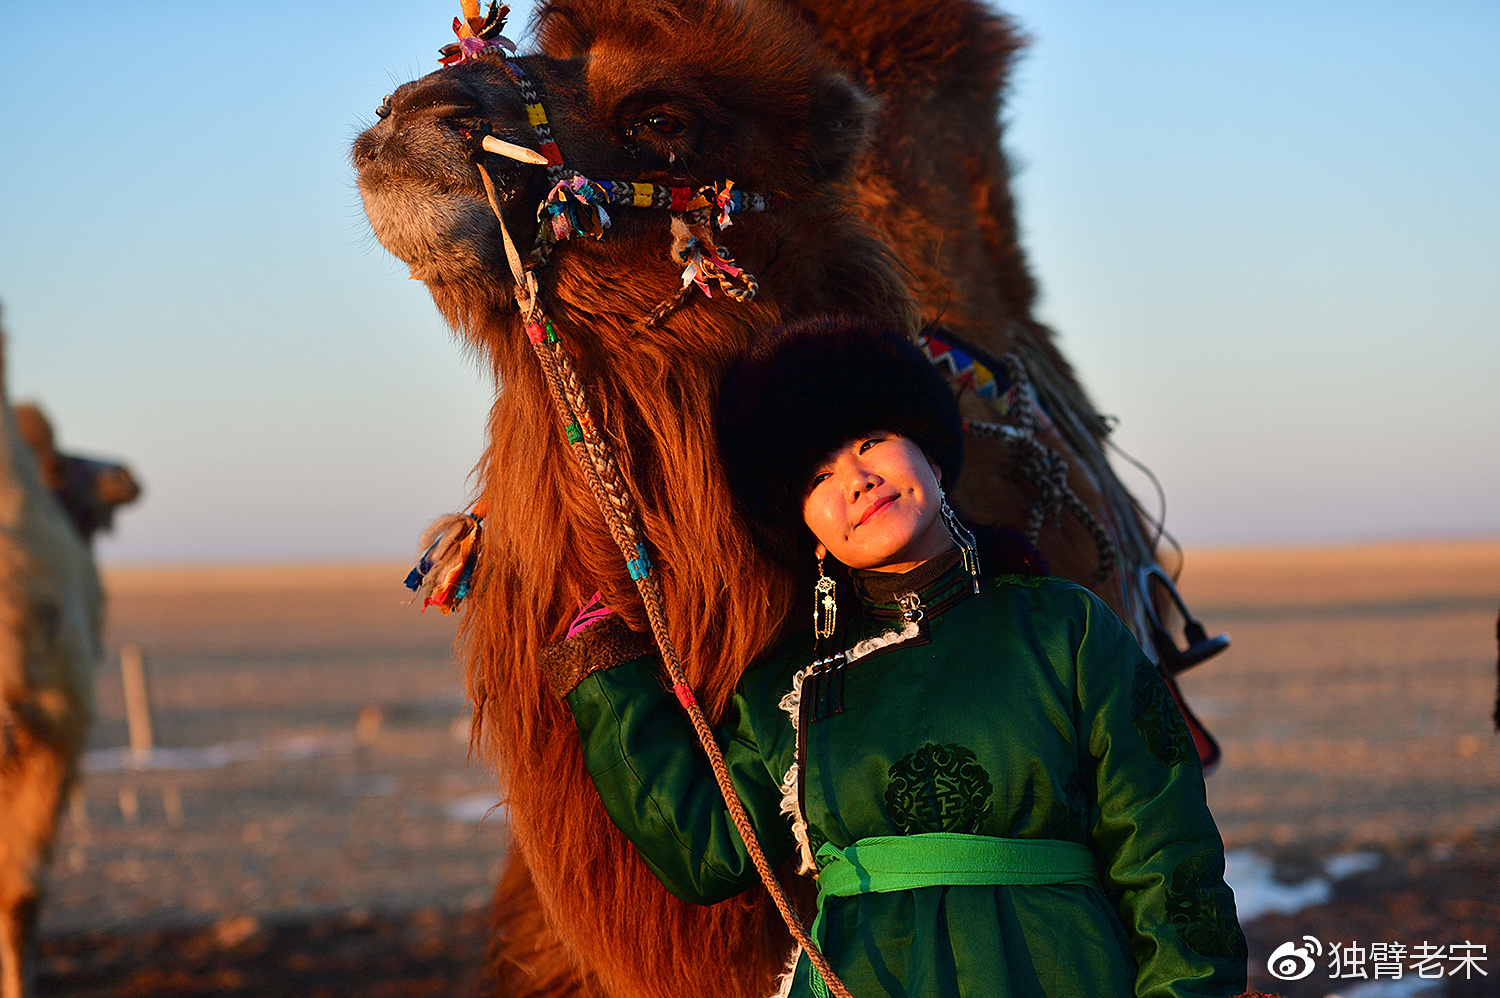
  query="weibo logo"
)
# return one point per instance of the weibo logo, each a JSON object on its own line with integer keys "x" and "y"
{"x": 1290, "y": 962}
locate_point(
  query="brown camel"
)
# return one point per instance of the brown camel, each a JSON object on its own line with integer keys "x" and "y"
{"x": 51, "y": 612}
{"x": 871, "y": 130}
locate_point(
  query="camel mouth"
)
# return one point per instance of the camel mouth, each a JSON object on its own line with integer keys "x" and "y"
{"x": 438, "y": 127}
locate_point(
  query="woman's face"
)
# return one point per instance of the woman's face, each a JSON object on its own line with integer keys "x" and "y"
{"x": 874, "y": 503}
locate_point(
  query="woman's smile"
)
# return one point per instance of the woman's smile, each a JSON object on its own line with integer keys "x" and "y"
{"x": 877, "y": 505}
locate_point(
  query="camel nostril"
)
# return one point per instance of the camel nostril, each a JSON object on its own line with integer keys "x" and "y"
{"x": 384, "y": 110}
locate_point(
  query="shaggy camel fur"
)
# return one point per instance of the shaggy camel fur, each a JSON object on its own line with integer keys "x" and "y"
{"x": 51, "y": 612}
{"x": 877, "y": 123}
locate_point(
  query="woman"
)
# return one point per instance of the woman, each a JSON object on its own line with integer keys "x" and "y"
{"x": 989, "y": 779}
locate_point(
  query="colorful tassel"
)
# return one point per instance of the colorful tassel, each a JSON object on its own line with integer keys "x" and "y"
{"x": 476, "y": 33}
{"x": 702, "y": 261}
{"x": 444, "y": 574}
{"x": 725, "y": 200}
{"x": 575, "y": 207}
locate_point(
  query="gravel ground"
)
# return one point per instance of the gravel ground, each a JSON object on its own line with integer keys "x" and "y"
{"x": 358, "y": 794}
{"x": 344, "y": 854}
{"x": 1414, "y": 896}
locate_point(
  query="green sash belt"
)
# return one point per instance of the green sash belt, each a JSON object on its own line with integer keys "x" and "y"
{"x": 938, "y": 859}
{"x": 906, "y": 862}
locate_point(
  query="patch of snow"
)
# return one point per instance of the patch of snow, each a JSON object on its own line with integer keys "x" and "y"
{"x": 1405, "y": 987}
{"x": 284, "y": 749}
{"x": 1346, "y": 864}
{"x": 1257, "y": 892}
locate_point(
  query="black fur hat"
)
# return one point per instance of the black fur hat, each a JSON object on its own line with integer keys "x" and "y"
{"x": 804, "y": 389}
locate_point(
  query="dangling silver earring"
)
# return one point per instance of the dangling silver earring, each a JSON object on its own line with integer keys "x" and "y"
{"x": 963, "y": 537}
{"x": 825, "y": 607}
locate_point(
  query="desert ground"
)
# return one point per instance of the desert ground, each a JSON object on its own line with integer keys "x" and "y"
{"x": 310, "y": 822}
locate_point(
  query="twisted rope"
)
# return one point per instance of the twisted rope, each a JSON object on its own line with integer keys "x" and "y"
{"x": 1044, "y": 467}
{"x": 667, "y": 307}
{"x": 1086, "y": 432}
{"x": 621, "y": 515}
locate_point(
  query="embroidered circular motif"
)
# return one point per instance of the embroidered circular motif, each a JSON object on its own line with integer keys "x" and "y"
{"x": 1158, "y": 720}
{"x": 939, "y": 788}
{"x": 1069, "y": 819}
{"x": 1202, "y": 912}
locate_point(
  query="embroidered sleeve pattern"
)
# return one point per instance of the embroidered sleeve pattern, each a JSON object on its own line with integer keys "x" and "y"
{"x": 1160, "y": 851}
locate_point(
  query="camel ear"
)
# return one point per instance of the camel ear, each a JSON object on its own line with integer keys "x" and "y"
{"x": 841, "y": 118}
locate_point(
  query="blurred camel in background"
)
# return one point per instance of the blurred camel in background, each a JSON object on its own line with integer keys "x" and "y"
{"x": 51, "y": 634}
{"x": 89, "y": 490}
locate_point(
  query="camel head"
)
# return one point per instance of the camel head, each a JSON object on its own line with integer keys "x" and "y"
{"x": 678, "y": 93}
{"x": 89, "y": 491}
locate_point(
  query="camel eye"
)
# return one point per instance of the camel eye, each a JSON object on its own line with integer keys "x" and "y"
{"x": 665, "y": 124}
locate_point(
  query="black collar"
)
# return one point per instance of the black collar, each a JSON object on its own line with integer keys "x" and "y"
{"x": 938, "y": 582}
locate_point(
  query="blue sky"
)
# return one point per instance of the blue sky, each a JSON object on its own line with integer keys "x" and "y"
{"x": 1268, "y": 235}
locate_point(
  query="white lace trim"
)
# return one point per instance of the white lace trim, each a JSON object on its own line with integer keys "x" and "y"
{"x": 870, "y": 645}
{"x": 790, "y": 805}
{"x": 784, "y": 982}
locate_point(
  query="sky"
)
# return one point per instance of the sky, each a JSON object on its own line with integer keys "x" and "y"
{"x": 1267, "y": 235}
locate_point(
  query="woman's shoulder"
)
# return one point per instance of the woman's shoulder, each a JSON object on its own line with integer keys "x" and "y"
{"x": 1063, "y": 613}
{"x": 1063, "y": 592}
{"x": 1048, "y": 604}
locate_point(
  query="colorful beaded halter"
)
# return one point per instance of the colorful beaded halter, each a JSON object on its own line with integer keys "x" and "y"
{"x": 577, "y": 205}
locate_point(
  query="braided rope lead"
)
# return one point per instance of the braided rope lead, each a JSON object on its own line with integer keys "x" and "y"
{"x": 621, "y": 517}
{"x": 1045, "y": 468}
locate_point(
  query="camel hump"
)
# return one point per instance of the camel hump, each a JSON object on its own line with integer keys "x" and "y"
{"x": 899, "y": 47}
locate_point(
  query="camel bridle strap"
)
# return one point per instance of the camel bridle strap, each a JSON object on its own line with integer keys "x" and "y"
{"x": 576, "y": 205}
{"x": 621, "y": 514}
